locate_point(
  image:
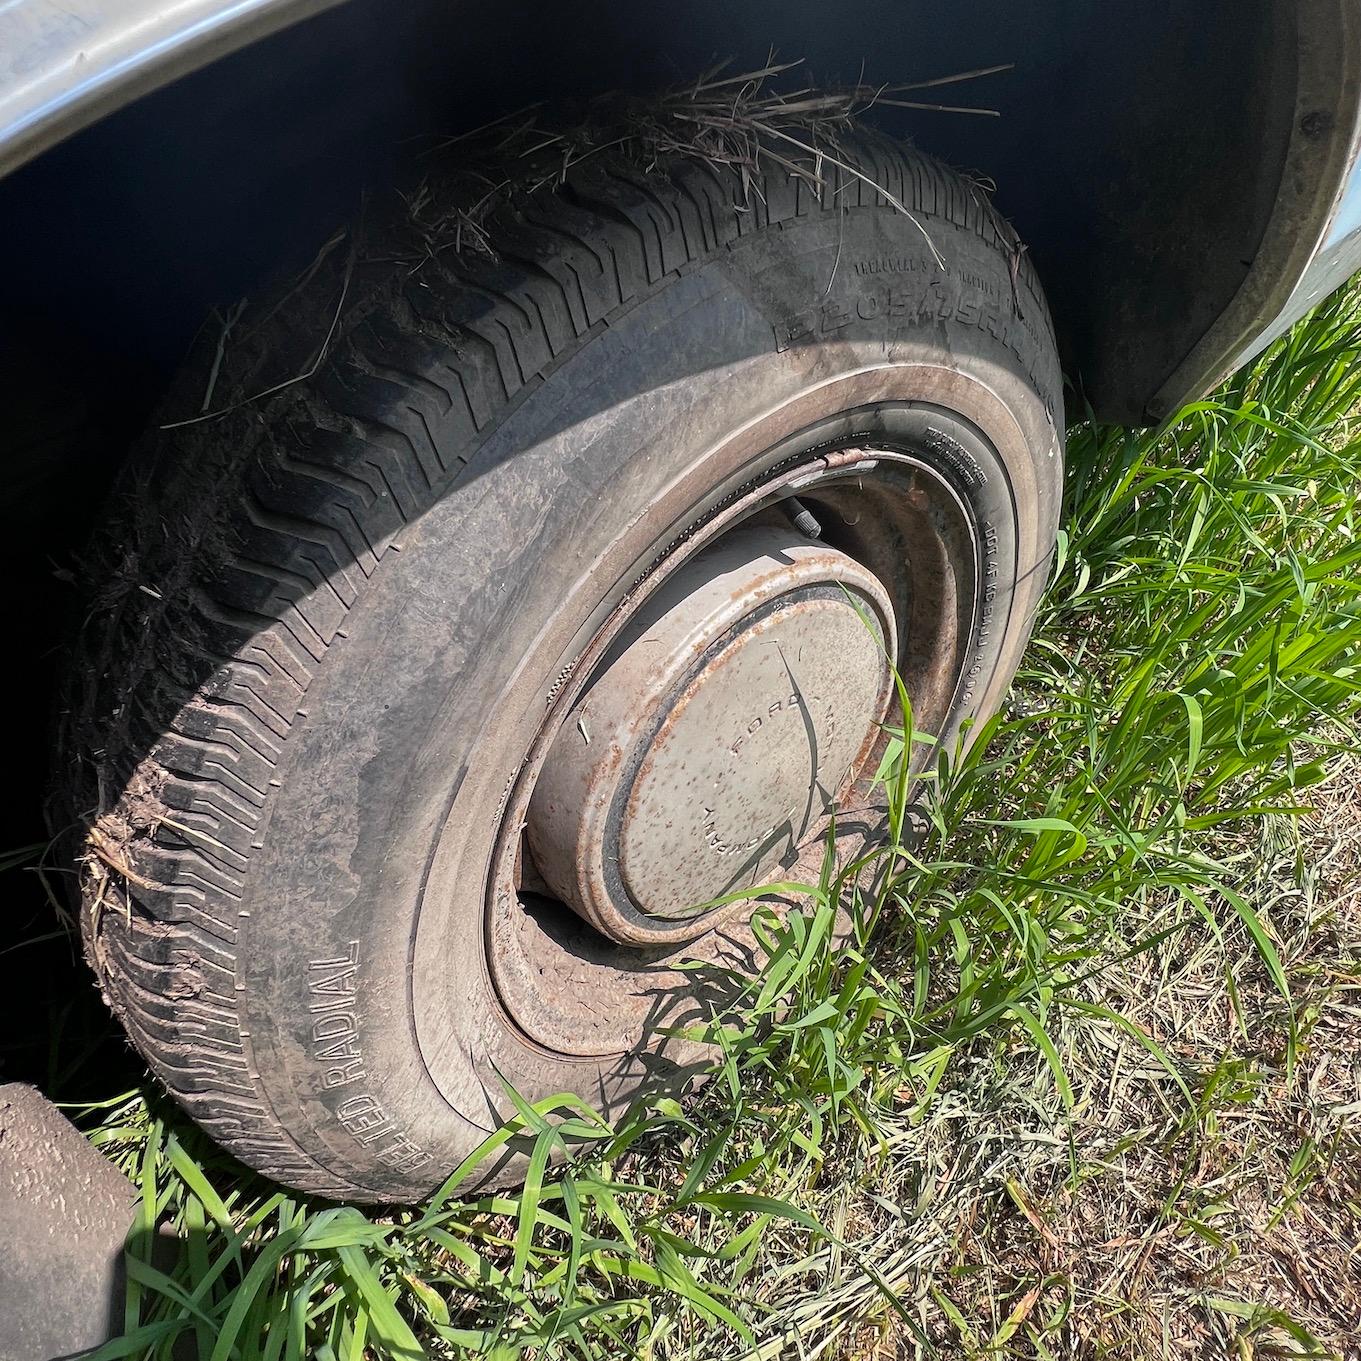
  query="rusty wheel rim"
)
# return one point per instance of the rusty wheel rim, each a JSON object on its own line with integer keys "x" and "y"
{"x": 574, "y": 970}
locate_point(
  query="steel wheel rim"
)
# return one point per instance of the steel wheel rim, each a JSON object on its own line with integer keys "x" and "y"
{"x": 523, "y": 932}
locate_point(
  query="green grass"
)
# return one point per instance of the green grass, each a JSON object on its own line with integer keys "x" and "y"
{"x": 897, "y": 1119}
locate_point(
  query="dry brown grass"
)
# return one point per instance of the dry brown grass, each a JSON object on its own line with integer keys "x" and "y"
{"x": 746, "y": 122}
{"x": 1232, "y": 1232}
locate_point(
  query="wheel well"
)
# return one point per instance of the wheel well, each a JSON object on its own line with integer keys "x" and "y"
{"x": 1137, "y": 148}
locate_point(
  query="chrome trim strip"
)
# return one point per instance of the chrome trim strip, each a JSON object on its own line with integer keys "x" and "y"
{"x": 64, "y": 66}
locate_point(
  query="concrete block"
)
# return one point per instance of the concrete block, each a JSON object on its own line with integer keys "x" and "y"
{"x": 64, "y": 1213}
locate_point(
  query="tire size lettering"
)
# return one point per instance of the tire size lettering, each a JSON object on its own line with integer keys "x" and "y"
{"x": 987, "y": 610}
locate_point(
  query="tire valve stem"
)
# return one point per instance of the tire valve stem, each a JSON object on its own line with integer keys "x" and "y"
{"x": 804, "y": 519}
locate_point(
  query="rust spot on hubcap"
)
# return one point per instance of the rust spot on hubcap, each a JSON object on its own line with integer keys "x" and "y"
{"x": 725, "y": 724}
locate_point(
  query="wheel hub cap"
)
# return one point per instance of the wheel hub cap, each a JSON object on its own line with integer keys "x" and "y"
{"x": 726, "y": 723}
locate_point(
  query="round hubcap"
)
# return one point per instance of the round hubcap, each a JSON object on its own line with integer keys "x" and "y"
{"x": 725, "y": 724}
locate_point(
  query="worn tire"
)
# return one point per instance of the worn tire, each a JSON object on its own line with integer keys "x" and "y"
{"x": 301, "y": 665}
